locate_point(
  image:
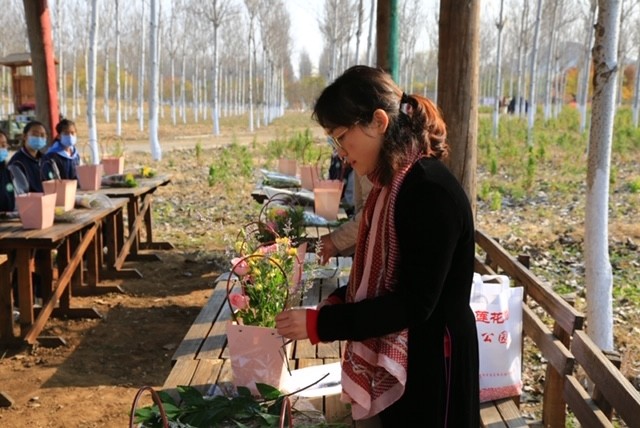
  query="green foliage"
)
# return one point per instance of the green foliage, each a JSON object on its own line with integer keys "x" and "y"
{"x": 232, "y": 161}
{"x": 634, "y": 185}
{"x": 198, "y": 411}
{"x": 283, "y": 222}
{"x": 496, "y": 200}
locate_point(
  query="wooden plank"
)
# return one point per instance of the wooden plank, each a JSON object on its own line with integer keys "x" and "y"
{"x": 214, "y": 344}
{"x": 490, "y": 417}
{"x": 582, "y": 405}
{"x": 197, "y": 333}
{"x": 561, "y": 311}
{"x": 618, "y": 391}
{"x": 551, "y": 347}
{"x": 510, "y": 413}
{"x": 206, "y": 375}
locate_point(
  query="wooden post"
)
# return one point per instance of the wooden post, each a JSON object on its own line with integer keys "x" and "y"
{"x": 43, "y": 62}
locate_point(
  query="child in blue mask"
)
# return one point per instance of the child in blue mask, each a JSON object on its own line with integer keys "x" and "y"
{"x": 62, "y": 153}
{"x": 7, "y": 198}
{"x": 29, "y": 157}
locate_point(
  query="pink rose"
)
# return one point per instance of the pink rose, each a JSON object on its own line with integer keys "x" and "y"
{"x": 240, "y": 266}
{"x": 268, "y": 249}
{"x": 239, "y": 301}
{"x": 280, "y": 213}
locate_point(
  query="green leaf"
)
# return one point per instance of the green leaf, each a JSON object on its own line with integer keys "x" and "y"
{"x": 243, "y": 391}
{"x": 268, "y": 392}
{"x": 166, "y": 398}
{"x": 190, "y": 395}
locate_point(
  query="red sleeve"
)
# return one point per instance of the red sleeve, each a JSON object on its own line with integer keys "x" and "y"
{"x": 312, "y": 326}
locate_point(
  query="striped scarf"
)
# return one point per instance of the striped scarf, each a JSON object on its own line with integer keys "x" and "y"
{"x": 374, "y": 371}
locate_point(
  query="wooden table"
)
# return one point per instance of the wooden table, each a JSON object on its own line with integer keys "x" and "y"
{"x": 139, "y": 212}
{"x": 79, "y": 245}
{"x": 202, "y": 358}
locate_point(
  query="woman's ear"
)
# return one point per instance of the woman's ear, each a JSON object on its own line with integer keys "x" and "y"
{"x": 380, "y": 121}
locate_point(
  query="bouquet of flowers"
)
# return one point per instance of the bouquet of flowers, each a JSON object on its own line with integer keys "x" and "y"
{"x": 281, "y": 221}
{"x": 270, "y": 279}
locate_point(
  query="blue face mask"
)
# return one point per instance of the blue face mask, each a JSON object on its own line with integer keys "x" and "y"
{"x": 36, "y": 143}
{"x": 67, "y": 140}
{"x": 4, "y": 154}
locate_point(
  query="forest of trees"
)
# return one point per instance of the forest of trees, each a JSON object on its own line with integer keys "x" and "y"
{"x": 230, "y": 57}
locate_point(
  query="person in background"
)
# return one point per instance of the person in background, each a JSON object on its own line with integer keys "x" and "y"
{"x": 28, "y": 158}
{"x": 63, "y": 153}
{"x": 411, "y": 357}
{"x": 7, "y": 198}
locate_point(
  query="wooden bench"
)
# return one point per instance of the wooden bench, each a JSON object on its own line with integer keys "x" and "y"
{"x": 202, "y": 358}
{"x": 567, "y": 350}
{"x": 540, "y": 303}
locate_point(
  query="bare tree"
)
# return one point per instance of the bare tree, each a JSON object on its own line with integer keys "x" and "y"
{"x": 598, "y": 276}
{"x": 154, "y": 68}
{"x": 586, "y": 67}
{"x": 497, "y": 102}
{"x": 91, "y": 96}
{"x": 532, "y": 76}
{"x": 118, "y": 95}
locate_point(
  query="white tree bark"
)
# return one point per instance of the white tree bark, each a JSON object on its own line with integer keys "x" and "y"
{"x": 533, "y": 77}
{"x": 75, "y": 110}
{"x": 91, "y": 84}
{"x": 118, "y": 96}
{"x": 370, "y": 37}
{"x": 586, "y": 68}
{"x": 141, "y": 73}
{"x": 154, "y": 67}
{"x": 496, "y": 107}
{"x": 522, "y": 51}
{"x": 598, "y": 276}
{"x": 105, "y": 95}
{"x": 549, "y": 66}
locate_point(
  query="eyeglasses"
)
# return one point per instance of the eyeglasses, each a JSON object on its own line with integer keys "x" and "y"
{"x": 334, "y": 142}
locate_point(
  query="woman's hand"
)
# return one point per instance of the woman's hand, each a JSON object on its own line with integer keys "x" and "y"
{"x": 327, "y": 249}
{"x": 292, "y": 324}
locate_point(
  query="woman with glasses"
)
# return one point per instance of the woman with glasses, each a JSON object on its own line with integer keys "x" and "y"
{"x": 411, "y": 357}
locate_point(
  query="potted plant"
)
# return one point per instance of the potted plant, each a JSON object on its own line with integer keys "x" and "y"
{"x": 270, "y": 281}
{"x": 36, "y": 210}
{"x": 65, "y": 191}
{"x": 113, "y": 163}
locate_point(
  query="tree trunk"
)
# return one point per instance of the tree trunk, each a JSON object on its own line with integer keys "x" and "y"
{"x": 598, "y": 276}
{"x": 497, "y": 103}
{"x": 154, "y": 66}
{"x": 549, "y": 72}
{"x": 118, "y": 95}
{"x": 458, "y": 63}
{"x": 214, "y": 92}
{"x": 141, "y": 74}
{"x": 372, "y": 14}
{"x": 39, "y": 32}
{"x": 105, "y": 95}
{"x": 522, "y": 51}
{"x": 533, "y": 77}
{"x": 91, "y": 72}
{"x": 586, "y": 69}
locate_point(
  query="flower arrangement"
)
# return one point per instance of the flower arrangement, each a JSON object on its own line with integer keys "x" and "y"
{"x": 282, "y": 221}
{"x": 270, "y": 280}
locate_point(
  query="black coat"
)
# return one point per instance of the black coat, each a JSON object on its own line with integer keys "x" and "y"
{"x": 434, "y": 225}
{"x": 31, "y": 168}
{"x": 7, "y": 197}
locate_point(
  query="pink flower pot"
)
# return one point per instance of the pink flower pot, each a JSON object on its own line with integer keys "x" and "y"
{"x": 113, "y": 165}
{"x": 287, "y": 166}
{"x": 328, "y": 184}
{"x": 89, "y": 176}
{"x": 327, "y": 202}
{"x": 36, "y": 210}
{"x": 308, "y": 176}
{"x": 65, "y": 191}
{"x": 257, "y": 355}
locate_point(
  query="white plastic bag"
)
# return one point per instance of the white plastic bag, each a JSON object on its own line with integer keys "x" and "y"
{"x": 498, "y": 311}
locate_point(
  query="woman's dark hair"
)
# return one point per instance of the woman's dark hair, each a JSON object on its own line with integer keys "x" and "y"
{"x": 354, "y": 97}
{"x": 31, "y": 124}
{"x": 64, "y": 125}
